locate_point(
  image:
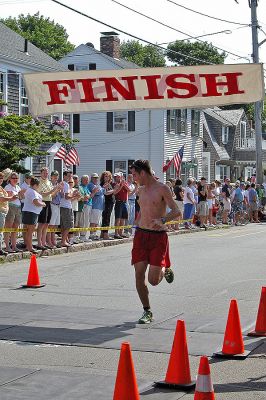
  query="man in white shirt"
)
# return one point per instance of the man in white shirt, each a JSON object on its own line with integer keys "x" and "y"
{"x": 189, "y": 203}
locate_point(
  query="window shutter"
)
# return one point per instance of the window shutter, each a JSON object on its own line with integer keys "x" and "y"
{"x": 168, "y": 121}
{"x": 71, "y": 67}
{"x": 130, "y": 162}
{"x": 92, "y": 66}
{"x": 76, "y": 123}
{"x": 109, "y": 165}
{"x": 131, "y": 121}
{"x": 109, "y": 120}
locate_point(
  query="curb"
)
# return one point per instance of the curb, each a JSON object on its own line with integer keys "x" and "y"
{"x": 90, "y": 246}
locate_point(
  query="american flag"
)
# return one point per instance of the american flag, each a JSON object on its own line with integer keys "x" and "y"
{"x": 177, "y": 160}
{"x": 68, "y": 154}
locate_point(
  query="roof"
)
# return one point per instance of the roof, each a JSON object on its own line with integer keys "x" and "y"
{"x": 12, "y": 49}
{"x": 119, "y": 62}
{"x": 220, "y": 150}
{"x": 226, "y": 117}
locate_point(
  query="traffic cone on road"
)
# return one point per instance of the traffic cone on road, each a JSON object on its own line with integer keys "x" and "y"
{"x": 126, "y": 387}
{"x": 33, "y": 276}
{"x": 233, "y": 345}
{"x": 204, "y": 389}
{"x": 178, "y": 372}
{"x": 260, "y": 328}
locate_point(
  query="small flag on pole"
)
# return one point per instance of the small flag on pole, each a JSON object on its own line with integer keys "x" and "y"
{"x": 177, "y": 160}
{"x": 68, "y": 154}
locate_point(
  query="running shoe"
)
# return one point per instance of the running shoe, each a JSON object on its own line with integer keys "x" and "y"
{"x": 146, "y": 317}
{"x": 169, "y": 275}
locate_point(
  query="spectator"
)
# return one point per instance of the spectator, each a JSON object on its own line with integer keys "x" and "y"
{"x": 131, "y": 202}
{"x": 179, "y": 193}
{"x": 203, "y": 210}
{"x": 189, "y": 204}
{"x": 226, "y": 200}
{"x": 106, "y": 183}
{"x": 32, "y": 207}
{"x": 211, "y": 201}
{"x": 237, "y": 200}
{"x": 46, "y": 190}
{"x": 253, "y": 203}
{"x": 13, "y": 218}
{"x": 4, "y": 199}
{"x": 84, "y": 208}
{"x": 66, "y": 212}
{"x": 97, "y": 194}
{"x": 55, "y": 209}
{"x": 121, "y": 191}
{"x": 73, "y": 237}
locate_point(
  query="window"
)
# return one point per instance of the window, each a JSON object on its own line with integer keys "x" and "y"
{"x": 24, "y": 102}
{"x": 121, "y": 121}
{"x": 120, "y": 166}
{"x": 81, "y": 67}
{"x": 195, "y": 122}
{"x": 177, "y": 121}
{"x": 243, "y": 130}
{"x": 92, "y": 66}
{"x": 225, "y": 134}
{"x": 222, "y": 172}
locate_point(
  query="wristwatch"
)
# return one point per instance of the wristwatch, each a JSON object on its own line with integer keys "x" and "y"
{"x": 163, "y": 219}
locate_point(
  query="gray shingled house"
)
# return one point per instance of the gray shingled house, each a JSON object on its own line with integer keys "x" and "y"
{"x": 17, "y": 56}
{"x": 230, "y": 148}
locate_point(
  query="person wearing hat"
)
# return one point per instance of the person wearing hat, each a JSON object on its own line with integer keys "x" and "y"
{"x": 97, "y": 195}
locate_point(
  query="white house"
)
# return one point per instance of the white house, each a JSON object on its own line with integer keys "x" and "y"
{"x": 112, "y": 140}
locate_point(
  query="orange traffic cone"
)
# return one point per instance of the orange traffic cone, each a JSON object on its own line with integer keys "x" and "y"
{"x": 204, "y": 389}
{"x": 178, "y": 372}
{"x": 233, "y": 345}
{"x": 126, "y": 387}
{"x": 33, "y": 276}
{"x": 260, "y": 328}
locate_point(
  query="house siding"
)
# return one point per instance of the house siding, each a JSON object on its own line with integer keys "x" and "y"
{"x": 193, "y": 144}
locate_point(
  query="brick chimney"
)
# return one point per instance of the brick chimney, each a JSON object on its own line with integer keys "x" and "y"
{"x": 110, "y": 44}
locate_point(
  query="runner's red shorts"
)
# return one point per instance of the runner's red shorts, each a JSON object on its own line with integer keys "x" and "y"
{"x": 152, "y": 247}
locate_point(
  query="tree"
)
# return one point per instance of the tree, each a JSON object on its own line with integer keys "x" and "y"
{"x": 42, "y": 32}
{"x": 144, "y": 56}
{"x": 21, "y": 137}
{"x": 204, "y": 53}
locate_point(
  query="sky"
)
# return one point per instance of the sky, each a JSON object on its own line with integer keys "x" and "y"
{"x": 237, "y": 38}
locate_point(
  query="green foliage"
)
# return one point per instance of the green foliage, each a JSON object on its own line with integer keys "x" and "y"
{"x": 201, "y": 50}
{"x": 21, "y": 137}
{"x": 143, "y": 56}
{"x": 42, "y": 32}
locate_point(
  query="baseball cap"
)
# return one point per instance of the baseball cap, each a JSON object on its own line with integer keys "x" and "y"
{"x": 95, "y": 175}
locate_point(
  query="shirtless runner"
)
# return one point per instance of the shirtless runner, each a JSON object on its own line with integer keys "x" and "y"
{"x": 150, "y": 245}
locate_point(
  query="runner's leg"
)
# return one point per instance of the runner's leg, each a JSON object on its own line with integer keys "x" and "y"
{"x": 155, "y": 275}
{"x": 141, "y": 285}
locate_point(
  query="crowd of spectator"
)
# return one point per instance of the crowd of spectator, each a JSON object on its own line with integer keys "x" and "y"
{"x": 81, "y": 202}
{"x": 100, "y": 201}
{"x": 207, "y": 204}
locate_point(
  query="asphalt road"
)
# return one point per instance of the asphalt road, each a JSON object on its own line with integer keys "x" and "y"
{"x": 62, "y": 341}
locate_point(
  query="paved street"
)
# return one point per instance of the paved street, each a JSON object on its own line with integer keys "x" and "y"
{"x": 62, "y": 341}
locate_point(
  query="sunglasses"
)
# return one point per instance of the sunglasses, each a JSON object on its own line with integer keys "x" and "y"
{"x": 1, "y": 177}
{"x": 70, "y": 182}
{"x": 14, "y": 177}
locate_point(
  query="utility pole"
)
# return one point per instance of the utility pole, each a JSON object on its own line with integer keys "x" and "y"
{"x": 253, "y": 4}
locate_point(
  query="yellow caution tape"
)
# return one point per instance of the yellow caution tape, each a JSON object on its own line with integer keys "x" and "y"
{"x": 94, "y": 229}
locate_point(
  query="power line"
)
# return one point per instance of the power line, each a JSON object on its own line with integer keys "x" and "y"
{"x": 130, "y": 34}
{"x": 174, "y": 29}
{"x": 206, "y": 15}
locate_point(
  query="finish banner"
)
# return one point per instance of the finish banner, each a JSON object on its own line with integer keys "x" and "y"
{"x": 144, "y": 88}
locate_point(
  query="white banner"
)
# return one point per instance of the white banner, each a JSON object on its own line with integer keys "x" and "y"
{"x": 144, "y": 88}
